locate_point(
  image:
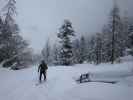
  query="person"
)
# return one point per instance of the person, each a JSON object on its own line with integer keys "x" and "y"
{"x": 42, "y": 69}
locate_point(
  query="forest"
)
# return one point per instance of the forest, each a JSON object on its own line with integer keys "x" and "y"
{"x": 113, "y": 42}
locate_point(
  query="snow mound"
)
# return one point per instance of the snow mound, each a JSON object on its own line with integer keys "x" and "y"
{"x": 128, "y": 58}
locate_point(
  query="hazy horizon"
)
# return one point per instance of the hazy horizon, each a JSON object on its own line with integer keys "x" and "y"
{"x": 40, "y": 19}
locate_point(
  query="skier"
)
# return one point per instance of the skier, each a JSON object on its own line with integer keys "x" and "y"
{"x": 42, "y": 69}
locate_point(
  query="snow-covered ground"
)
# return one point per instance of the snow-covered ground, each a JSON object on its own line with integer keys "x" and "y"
{"x": 60, "y": 84}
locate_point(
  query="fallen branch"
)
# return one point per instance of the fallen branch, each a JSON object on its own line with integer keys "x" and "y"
{"x": 86, "y": 78}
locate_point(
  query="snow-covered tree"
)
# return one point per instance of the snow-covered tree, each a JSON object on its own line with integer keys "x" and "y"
{"x": 12, "y": 44}
{"x": 46, "y": 52}
{"x": 9, "y": 31}
{"x": 65, "y": 34}
{"x": 1, "y": 39}
{"x": 98, "y": 48}
{"x": 55, "y": 54}
{"x": 130, "y": 36}
{"x": 91, "y": 55}
{"x": 82, "y": 50}
{"x": 76, "y": 50}
{"x": 114, "y": 35}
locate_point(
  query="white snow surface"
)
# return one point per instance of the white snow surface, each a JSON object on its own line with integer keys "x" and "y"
{"x": 61, "y": 85}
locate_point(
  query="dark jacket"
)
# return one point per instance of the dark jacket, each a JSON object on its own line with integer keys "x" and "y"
{"x": 42, "y": 67}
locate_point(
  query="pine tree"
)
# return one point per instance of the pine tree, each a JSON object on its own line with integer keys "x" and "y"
{"x": 91, "y": 54}
{"x": 13, "y": 45}
{"x": 8, "y": 30}
{"x": 98, "y": 48}
{"x": 125, "y": 22}
{"x": 114, "y": 41}
{"x": 1, "y": 39}
{"x": 82, "y": 50}
{"x": 65, "y": 33}
{"x": 46, "y": 52}
{"x": 76, "y": 50}
{"x": 55, "y": 53}
{"x": 130, "y": 36}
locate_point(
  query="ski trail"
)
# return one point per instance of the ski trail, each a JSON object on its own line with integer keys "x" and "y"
{"x": 60, "y": 84}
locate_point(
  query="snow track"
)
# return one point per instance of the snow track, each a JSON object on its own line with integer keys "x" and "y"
{"x": 60, "y": 84}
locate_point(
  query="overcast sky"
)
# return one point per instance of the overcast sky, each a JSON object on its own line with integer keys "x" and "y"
{"x": 41, "y": 19}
